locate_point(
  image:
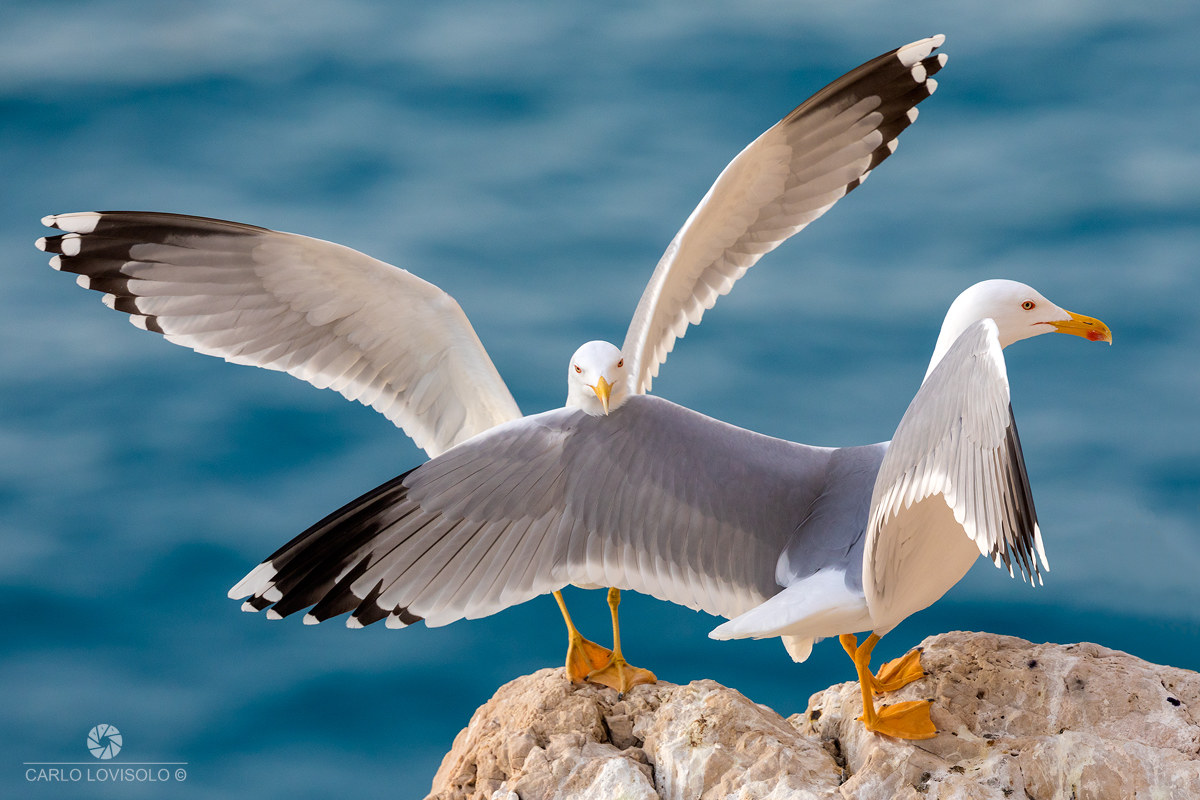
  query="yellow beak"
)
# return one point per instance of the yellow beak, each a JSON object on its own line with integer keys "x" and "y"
{"x": 1089, "y": 328}
{"x": 603, "y": 389}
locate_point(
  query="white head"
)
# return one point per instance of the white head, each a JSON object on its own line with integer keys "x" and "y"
{"x": 1019, "y": 312}
{"x": 596, "y": 379}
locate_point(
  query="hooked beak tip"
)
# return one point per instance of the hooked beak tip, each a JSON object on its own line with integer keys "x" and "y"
{"x": 603, "y": 390}
{"x": 1089, "y": 328}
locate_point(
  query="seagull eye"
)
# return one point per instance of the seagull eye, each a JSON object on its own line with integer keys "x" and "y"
{"x": 620, "y": 363}
{"x": 577, "y": 369}
{"x": 1028, "y": 305}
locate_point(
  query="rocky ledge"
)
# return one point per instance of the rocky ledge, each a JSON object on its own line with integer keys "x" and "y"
{"x": 1016, "y": 720}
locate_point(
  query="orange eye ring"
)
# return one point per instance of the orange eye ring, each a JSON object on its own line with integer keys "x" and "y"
{"x": 577, "y": 369}
{"x": 1028, "y": 305}
{"x": 620, "y": 363}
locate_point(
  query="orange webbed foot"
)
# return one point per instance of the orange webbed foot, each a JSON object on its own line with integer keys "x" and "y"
{"x": 907, "y": 720}
{"x": 899, "y": 672}
{"x": 619, "y": 674}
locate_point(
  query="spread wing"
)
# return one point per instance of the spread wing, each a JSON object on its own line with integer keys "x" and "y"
{"x": 958, "y": 439}
{"x": 652, "y": 497}
{"x": 319, "y": 311}
{"x": 781, "y": 182}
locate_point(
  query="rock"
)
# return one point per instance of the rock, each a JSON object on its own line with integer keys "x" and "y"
{"x": 541, "y": 737}
{"x": 1023, "y": 720}
{"x": 1015, "y": 719}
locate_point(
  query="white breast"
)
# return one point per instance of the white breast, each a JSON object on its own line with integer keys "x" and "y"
{"x": 917, "y": 556}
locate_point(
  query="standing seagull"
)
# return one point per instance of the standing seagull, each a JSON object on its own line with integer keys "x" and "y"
{"x": 339, "y": 319}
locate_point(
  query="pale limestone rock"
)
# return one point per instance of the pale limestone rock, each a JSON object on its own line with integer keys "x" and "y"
{"x": 711, "y": 742}
{"x": 1017, "y": 720}
{"x": 544, "y": 739}
{"x": 1023, "y": 720}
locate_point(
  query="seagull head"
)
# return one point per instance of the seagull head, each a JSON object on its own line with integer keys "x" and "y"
{"x": 596, "y": 378}
{"x": 1019, "y": 311}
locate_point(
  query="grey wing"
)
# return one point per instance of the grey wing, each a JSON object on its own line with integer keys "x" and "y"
{"x": 786, "y": 178}
{"x": 322, "y": 312}
{"x": 653, "y": 498}
{"x": 958, "y": 439}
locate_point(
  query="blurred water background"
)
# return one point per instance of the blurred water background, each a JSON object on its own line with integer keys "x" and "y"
{"x": 534, "y": 159}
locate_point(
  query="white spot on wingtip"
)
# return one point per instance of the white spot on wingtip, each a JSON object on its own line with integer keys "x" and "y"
{"x": 309, "y": 619}
{"x": 40, "y": 244}
{"x": 918, "y": 73}
{"x": 912, "y": 114}
{"x": 255, "y": 580}
{"x": 109, "y": 300}
{"x": 79, "y": 222}
{"x": 84, "y": 281}
{"x": 139, "y": 321}
{"x": 942, "y": 58}
{"x": 49, "y": 220}
{"x": 273, "y": 614}
{"x": 70, "y": 244}
{"x": 892, "y": 145}
{"x": 931, "y": 85}
{"x": 273, "y": 595}
{"x": 249, "y": 608}
{"x": 352, "y": 623}
{"x": 912, "y": 53}
{"x": 56, "y": 263}
{"x": 394, "y": 622}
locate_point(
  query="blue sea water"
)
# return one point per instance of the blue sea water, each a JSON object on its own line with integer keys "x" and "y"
{"x": 533, "y": 160}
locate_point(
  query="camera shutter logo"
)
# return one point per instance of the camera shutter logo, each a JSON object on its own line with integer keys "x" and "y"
{"x": 104, "y": 741}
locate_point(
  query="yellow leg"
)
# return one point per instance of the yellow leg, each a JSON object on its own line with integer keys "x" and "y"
{"x": 908, "y": 720}
{"x": 583, "y": 656}
{"x": 618, "y": 673}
